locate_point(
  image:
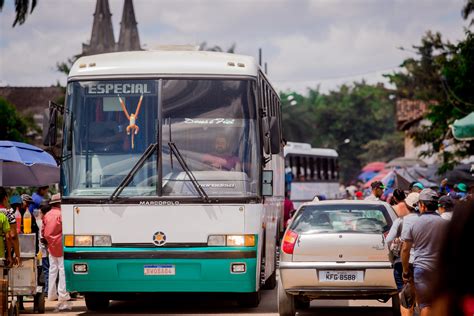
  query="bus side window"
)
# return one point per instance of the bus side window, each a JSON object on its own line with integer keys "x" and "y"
{"x": 333, "y": 168}
{"x": 311, "y": 168}
{"x": 325, "y": 168}
{"x": 318, "y": 168}
{"x": 304, "y": 170}
{"x": 298, "y": 167}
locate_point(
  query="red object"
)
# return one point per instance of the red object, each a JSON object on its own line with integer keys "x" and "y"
{"x": 52, "y": 231}
{"x": 289, "y": 242}
{"x": 359, "y": 194}
{"x": 287, "y": 208}
{"x": 374, "y": 166}
{"x": 468, "y": 305}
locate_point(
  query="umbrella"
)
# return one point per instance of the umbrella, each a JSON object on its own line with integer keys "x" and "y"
{"x": 403, "y": 162}
{"x": 26, "y": 165}
{"x": 463, "y": 129}
{"x": 374, "y": 166}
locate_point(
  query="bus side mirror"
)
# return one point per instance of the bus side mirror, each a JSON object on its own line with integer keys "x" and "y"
{"x": 50, "y": 117}
{"x": 266, "y": 135}
{"x": 267, "y": 182}
{"x": 275, "y": 136}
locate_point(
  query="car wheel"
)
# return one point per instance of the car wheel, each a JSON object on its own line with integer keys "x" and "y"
{"x": 301, "y": 303}
{"x": 286, "y": 302}
{"x": 96, "y": 302}
{"x": 396, "y": 305}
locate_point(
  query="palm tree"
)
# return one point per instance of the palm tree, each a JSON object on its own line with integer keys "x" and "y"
{"x": 22, "y": 9}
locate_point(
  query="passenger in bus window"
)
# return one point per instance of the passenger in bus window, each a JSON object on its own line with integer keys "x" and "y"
{"x": 222, "y": 158}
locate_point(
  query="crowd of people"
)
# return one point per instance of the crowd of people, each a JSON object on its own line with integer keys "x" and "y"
{"x": 37, "y": 214}
{"x": 427, "y": 248}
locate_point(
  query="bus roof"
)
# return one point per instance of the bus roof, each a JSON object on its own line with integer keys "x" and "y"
{"x": 164, "y": 63}
{"x": 306, "y": 149}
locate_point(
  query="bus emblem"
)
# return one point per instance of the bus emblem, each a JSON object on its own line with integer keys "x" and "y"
{"x": 159, "y": 239}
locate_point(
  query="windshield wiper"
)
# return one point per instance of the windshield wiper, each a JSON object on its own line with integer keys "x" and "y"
{"x": 129, "y": 177}
{"x": 189, "y": 173}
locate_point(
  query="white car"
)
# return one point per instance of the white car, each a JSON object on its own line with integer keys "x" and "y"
{"x": 336, "y": 250}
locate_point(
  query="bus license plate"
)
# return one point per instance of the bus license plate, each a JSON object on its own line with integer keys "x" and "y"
{"x": 159, "y": 269}
{"x": 341, "y": 276}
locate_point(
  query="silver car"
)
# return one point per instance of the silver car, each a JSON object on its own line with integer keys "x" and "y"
{"x": 336, "y": 250}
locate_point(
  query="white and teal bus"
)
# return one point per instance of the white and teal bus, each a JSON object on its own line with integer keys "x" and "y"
{"x": 313, "y": 172}
{"x": 172, "y": 175}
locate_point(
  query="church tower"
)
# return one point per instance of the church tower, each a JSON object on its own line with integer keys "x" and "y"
{"x": 128, "y": 39}
{"x": 102, "y": 37}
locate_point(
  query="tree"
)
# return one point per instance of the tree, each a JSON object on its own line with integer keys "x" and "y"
{"x": 443, "y": 77}
{"x": 14, "y": 127}
{"x": 22, "y": 9}
{"x": 361, "y": 112}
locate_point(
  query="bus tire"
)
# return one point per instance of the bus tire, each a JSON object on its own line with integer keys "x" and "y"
{"x": 250, "y": 299}
{"x": 96, "y": 302}
{"x": 271, "y": 282}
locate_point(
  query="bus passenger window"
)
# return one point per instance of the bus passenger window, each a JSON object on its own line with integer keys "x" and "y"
{"x": 311, "y": 168}
{"x": 318, "y": 168}
{"x": 298, "y": 167}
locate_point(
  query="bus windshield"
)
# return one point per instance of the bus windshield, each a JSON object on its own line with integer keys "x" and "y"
{"x": 211, "y": 122}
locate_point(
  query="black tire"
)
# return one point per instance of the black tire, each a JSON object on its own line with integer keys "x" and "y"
{"x": 250, "y": 299}
{"x": 39, "y": 303}
{"x": 271, "y": 282}
{"x": 96, "y": 302}
{"x": 396, "y": 305}
{"x": 301, "y": 303}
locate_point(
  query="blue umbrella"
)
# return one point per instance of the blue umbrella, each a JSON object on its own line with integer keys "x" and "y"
{"x": 26, "y": 165}
{"x": 367, "y": 175}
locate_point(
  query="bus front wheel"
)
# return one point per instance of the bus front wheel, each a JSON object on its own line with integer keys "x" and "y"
{"x": 96, "y": 302}
{"x": 249, "y": 299}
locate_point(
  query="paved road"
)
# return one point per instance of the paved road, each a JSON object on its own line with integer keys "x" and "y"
{"x": 223, "y": 305}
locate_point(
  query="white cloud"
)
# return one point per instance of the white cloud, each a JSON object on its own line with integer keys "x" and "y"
{"x": 305, "y": 42}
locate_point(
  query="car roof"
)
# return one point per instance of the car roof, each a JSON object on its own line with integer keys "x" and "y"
{"x": 345, "y": 202}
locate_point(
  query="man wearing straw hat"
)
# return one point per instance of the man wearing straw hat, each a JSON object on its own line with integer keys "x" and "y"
{"x": 53, "y": 234}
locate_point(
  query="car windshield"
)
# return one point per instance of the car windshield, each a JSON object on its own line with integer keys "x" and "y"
{"x": 313, "y": 219}
{"x": 110, "y": 123}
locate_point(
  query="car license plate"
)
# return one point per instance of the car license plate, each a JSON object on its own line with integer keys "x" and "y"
{"x": 341, "y": 276}
{"x": 159, "y": 269}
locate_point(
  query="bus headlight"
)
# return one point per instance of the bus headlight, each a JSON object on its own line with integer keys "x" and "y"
{"x": 83, "y": 241}
{"x": 102, "y": 241}
{"x": 231, "y": 240}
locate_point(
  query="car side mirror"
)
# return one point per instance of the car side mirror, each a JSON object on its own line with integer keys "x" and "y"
{"x": 267, "y": 182}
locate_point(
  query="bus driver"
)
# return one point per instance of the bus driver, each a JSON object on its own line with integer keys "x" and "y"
{"x": 221, "y": 158}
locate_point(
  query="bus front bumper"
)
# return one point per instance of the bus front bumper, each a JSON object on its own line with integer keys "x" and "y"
{"x": 195, "y": 270}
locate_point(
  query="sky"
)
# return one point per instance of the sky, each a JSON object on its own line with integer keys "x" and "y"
{"x": 307, "y": 44}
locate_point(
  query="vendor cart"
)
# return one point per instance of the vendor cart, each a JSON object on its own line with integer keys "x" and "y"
{"x": 23, "y": 280}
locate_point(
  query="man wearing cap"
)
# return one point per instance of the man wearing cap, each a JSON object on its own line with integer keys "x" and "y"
{"x": 417, "y": 187}
{"x": 52, "y": 233}
{"x": 445, "y": 207}
{"x": 424, "y": 236}
{"x": 377, "y": 191}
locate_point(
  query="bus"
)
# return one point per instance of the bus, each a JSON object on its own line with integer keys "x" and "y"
{"x": 172, "y": 175}
{"x": 310, "y": 172}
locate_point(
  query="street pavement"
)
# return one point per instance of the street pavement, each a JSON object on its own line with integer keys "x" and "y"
{"x": 213, "y": 304}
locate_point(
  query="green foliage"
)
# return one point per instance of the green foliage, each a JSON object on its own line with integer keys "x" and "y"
{"x": 14, "y": 127}
{"x": 443, "y": 77}
{"x": 363, "y": 113}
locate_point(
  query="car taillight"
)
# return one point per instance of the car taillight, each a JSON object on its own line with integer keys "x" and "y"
{"x": 289, "y": 242}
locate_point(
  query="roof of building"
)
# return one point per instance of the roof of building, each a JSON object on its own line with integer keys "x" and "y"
{"x": 164, "y": 63}
{"x": 31, "y": 99}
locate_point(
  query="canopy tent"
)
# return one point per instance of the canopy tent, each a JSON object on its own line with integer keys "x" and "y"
{"x": 462, "y": 173}
{"x": 26, "y": 165}
{"x": 463, "y": 129}
{"x": 374, "y": 166}
{"x": 379, "y": 177}
{"x": 425, "y": 175}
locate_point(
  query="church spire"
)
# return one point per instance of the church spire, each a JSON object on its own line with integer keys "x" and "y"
{"x": 129, "y": 39}
{"x": 102, "y": 37}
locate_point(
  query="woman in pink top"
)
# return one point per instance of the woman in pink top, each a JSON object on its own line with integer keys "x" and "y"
{"x": 52, "y": 233}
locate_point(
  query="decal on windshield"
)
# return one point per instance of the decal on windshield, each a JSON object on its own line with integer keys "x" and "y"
{"x": 216, "y": 121}
{"x": 114, "y": 88}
